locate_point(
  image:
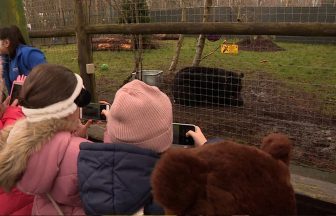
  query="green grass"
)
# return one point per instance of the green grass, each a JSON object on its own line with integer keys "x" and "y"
{"x": 65, "y": 55}
{"x": 309, "y": 67}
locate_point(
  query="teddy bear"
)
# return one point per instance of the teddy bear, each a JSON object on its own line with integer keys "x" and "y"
{"x": 226, "y": 178}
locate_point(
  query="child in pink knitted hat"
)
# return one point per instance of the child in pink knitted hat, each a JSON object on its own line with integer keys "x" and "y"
{"x": 141, "y": 115}
{"x": 115, "y": 176}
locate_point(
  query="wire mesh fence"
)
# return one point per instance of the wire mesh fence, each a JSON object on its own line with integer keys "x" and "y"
{"x": 288, "y": 83}
{"x": 283, "y": 90}
{"x": 53, "y": 14}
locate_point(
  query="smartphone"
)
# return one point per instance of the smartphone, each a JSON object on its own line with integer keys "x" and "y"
{"x": 94, "y": 111}
{"x": 15, "y": 91}
{"x": 179, "y": 134}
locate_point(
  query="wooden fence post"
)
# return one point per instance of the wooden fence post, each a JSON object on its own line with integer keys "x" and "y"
{"x": 84, "y": 50}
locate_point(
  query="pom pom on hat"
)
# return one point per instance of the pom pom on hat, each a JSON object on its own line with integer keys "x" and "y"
{"x": 140, "y": 115}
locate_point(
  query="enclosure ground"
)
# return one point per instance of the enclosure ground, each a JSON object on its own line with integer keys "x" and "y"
{"x": 259, "y": 44}
{"x": 269, "y": 107}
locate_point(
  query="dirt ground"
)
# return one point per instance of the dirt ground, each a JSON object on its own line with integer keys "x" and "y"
{"x": 259, "y": 44}
{"x": 269, "y": 107}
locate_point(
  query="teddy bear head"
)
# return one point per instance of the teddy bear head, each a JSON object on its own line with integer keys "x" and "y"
{"x": 226, "y": 178}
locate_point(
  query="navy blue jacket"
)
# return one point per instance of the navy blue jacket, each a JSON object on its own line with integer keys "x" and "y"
{"x": 25, "y": 60}
{"x": 115, "y": 179}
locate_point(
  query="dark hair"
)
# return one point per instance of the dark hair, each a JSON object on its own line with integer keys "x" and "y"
{"x": 14, "y": 35}
{"x": 47, "y": 84}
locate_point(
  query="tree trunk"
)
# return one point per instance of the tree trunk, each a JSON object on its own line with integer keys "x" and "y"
{"x": 180, "y": 40}
{"x": 139, "y": 43}
{"x": 62, "y": 19}
{"x": 12, "y": 13}
{"x": 96, "y": 12}
{"x": 201, "y": 38}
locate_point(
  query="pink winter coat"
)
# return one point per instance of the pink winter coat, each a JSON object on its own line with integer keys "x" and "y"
{"x": 14, "y": 202}
{"x": 53, "y": 170}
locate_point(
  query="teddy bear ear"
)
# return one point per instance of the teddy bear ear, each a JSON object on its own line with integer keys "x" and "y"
{"x": 278, "y": 145}
{"x": 178, "y": 178}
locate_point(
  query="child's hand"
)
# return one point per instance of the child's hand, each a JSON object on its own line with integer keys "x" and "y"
{"x": 81, "y": 130}
{"x": 15, "y": 102}
{"x": 106, "y": 112}
{"x": 6, "y": 102}
{"x": 21, "y": 78}
{"x": 197, "y": 136}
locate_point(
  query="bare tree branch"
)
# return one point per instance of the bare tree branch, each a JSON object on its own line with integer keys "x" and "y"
{"x": 201, "y": 38}
{"x": 180, "y": 40}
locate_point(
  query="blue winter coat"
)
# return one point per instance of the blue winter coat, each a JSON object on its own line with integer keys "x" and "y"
{"x": 25, "y": 60}
{"x": 115, "y": 179}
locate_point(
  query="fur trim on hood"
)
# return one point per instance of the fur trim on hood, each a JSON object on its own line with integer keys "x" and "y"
{"x": 19, "y": 142}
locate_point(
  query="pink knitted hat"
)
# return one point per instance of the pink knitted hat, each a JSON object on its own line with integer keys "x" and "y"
{"x": 140, "y": 115}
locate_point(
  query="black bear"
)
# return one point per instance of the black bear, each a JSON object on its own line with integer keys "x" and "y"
{"x": 196, "y": 86}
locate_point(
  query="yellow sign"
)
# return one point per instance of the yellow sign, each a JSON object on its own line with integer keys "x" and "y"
{"x": 229, "y": 48}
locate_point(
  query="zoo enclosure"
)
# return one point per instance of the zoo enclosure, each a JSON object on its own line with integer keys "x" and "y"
{"x": 304, "y": 109}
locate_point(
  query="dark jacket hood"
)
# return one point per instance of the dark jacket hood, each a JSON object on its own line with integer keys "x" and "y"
{"x": 114, "y": 178}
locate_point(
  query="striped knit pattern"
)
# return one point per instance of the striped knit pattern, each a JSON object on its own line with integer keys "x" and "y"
{"x": 141, "y": 115}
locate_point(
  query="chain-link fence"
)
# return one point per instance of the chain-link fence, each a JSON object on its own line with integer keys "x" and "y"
{"x": 288, "y": 83}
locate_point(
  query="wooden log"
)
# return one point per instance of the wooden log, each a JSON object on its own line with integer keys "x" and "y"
{"x": 64, "y": 32}
{"x": 288, "y": 29}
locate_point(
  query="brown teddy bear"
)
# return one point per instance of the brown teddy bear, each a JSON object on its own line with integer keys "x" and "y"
{"x": 227, "y": 179}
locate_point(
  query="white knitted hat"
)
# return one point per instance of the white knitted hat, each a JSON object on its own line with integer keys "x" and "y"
{"x": 140, "y": 115}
